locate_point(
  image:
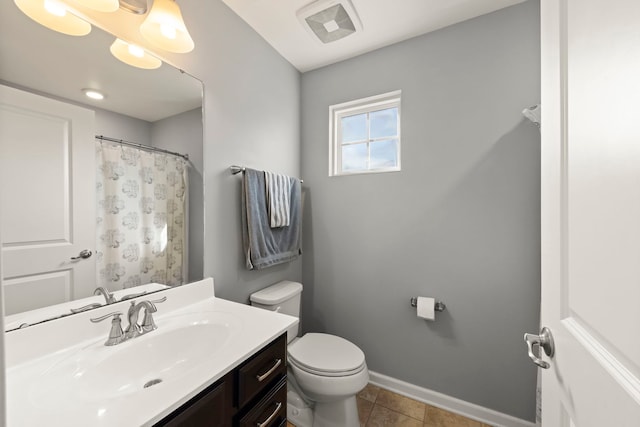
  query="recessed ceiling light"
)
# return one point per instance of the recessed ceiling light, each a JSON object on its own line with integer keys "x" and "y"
{"x": 93, "y": 94}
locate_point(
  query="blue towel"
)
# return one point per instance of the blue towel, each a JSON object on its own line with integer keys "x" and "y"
{"x": 265, "y": 246}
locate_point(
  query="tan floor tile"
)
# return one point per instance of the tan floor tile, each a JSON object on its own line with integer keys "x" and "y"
{"x": 364, "y": 410}
{"x": 289, "y": 424}
{"x": 404, "y": 405}
{"x": 383, "y": 417}
{"x": 370, "y": 392}
{"x": 436, "y": 417}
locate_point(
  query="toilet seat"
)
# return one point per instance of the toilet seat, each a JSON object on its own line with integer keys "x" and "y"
{"x": 326, "y": 355}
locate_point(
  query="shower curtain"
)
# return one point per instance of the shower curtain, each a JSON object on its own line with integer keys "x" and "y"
{"x": 142, "y": 217}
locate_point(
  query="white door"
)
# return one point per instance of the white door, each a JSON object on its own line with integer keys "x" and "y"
{"x": 591, "y": 212}
{"x": 47, "y": 170}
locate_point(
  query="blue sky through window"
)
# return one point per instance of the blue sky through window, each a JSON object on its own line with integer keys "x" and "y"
{"x": 354, "y": 128}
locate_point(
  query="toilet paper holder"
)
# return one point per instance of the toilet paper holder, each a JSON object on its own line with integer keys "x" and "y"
{"x": 439, "y": 305}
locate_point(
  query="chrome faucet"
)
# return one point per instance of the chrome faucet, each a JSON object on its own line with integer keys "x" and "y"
{"x": 148, "y": 324}
{"x": 108, "y": 296}
{"x": 117, "y": 335}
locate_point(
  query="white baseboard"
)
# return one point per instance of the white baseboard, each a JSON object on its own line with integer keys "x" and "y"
{"x": 469, "y": 410}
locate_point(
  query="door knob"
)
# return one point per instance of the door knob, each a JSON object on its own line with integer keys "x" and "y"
{"x": 84, "y": 254}
{"x": 545, "y": 342}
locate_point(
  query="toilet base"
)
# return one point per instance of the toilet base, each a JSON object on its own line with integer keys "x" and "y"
{"x": 299, "y": 413}
{"x": 339, "y": 413}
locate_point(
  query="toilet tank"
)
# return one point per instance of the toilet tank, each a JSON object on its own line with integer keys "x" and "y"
{"x": 283, "y": 297}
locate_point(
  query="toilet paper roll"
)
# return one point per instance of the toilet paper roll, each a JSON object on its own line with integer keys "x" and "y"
{"x": 426, "y": 308}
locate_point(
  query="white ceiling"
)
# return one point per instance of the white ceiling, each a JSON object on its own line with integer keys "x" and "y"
{"x": 384, "y": 22}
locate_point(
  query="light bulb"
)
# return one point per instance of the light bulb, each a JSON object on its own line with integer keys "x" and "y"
{"x": 93, "y": 94}
{"x": 136, "y": 50}
{"x": 55, "y": 8}
{"x": 168, "y": 31}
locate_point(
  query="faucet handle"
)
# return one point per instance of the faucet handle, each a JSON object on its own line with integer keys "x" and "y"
{"x": 116, "y": 316}
{"x": 158, "y": 301}
{"x": 86, "y": 307}
{"x": 116, "y": 335}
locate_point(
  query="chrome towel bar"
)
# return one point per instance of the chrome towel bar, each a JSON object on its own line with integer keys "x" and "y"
{"x": 235, "y": 169}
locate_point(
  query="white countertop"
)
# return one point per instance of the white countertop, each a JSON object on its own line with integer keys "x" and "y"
{"x": 28, "y": 405}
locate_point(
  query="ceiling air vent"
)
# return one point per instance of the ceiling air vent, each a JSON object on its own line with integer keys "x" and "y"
{"x": 330, "y": 20}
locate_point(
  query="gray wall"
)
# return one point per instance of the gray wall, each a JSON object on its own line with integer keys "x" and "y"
{"x": 460, "y": 222}
{"x": 182, "y": 133}
{"x": 251, "y": 118}
{"x": 119, "y": 126}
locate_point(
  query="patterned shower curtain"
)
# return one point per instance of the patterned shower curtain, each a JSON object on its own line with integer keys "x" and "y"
{"x": 141, "y": 222}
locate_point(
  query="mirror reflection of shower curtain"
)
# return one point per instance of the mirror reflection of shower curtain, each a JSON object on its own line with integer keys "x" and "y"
{"x": 142, "y": 217}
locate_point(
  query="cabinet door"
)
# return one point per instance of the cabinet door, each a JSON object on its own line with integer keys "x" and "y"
{"x": 209, "y": 409}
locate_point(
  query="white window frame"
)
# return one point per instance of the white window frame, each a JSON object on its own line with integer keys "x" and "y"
{"x": 359, "y": 106}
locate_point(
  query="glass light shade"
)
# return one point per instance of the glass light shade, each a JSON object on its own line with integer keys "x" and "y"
{"x": 53, "y": 15}
{"x": 164, "y": 28}
{"x": 101, "y": 5}
{"x": 134, "y": 55}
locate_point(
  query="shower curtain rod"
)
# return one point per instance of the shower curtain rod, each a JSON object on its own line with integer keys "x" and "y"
{"x": 141, "y": 146}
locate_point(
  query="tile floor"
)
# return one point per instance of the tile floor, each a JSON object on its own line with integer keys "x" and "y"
{"x": 382, "y": 408}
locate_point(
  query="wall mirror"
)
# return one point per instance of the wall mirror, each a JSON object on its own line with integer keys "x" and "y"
{"x": 159, "y": 108}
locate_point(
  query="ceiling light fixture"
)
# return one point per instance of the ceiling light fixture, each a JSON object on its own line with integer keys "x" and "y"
{"x": 54, "y": 15}
{"x": 139, "y": 7}
{"x": 102, "y": 5}
{"x": 93, "y": 94}
{"x": 134, "y": 55}
{"x": 330, "y": 20}
{"x": 164, "y": 27}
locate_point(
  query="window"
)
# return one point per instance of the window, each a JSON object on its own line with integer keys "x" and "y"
{"x": 365, "y": 135}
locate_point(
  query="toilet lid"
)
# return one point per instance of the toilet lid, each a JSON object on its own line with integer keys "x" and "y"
{"x": 324, "y": 354}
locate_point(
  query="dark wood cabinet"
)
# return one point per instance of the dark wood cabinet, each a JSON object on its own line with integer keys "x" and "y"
{"x": 271, "y": 410}
{"x": 253, "y": 394}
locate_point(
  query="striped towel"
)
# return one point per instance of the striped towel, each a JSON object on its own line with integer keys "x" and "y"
{"x": 278, "y": 189}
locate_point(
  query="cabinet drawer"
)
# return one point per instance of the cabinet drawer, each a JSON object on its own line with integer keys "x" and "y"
{"x": 262, "y": 370}
{"x": 270, "y": 411}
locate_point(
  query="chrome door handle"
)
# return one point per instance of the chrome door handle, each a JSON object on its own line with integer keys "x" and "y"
{"x": 84, "y": 254}
{"x": 545, "y": 342}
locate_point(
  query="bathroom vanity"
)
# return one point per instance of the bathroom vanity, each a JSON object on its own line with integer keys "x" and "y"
{"x": 210, "y": 362}
{"x": 255, "y": 393}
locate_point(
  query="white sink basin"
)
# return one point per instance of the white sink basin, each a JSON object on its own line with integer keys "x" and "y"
{"x": 97, "y": 373}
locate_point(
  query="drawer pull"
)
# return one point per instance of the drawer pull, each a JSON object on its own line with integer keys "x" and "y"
{"x": 272, "y": 416}
{"x": 262, "y": 377}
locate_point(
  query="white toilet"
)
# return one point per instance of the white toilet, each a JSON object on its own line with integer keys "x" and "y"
{"x": 324, "y": 371}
